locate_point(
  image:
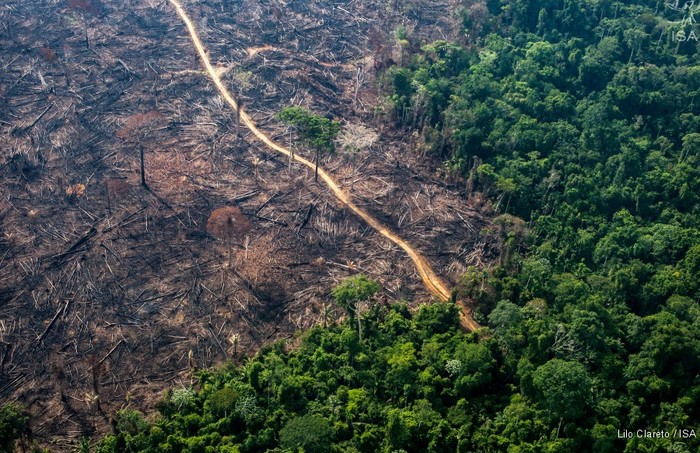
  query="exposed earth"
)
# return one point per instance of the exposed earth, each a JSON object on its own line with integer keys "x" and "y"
{"x": 109, "y": 292}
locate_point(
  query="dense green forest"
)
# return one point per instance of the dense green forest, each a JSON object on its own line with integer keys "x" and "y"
{"x": 414, "y": 382}
{"x": 578, "y": 120}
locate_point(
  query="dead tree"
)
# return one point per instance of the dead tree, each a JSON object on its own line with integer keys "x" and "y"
{"x": 229, "y": 225}
{"x": 472, "y": 176}
{"x": 136, "y": 128}
{"x": 143, "y": 169}
{"x": 116, "y": 188}
{"x": 354, "y": 139}
{"x": 238, "y": 117}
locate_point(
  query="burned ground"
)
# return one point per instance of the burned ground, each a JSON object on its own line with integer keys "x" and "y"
{"x": 110, "y": 291}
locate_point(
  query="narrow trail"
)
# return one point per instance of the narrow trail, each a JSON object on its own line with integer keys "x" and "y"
{"x": 431, "y": 281}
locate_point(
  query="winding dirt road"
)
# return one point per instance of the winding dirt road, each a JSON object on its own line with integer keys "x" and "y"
{"x": 431, "y": 281}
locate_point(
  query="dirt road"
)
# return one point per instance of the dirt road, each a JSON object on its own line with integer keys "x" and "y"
{"x": 431, "y": 281}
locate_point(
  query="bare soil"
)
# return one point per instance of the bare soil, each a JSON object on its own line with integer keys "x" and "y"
{"x": 110, "y": 292}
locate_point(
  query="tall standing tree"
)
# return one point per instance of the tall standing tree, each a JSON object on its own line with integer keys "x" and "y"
{"x": 14, "y": 422}
{"x": 137, "y": 128}
{"x": 564, "y": 388}
{"x": 310, "y": 433}
{"x": 351, "y": 293}
{"x": 315, "y": 131}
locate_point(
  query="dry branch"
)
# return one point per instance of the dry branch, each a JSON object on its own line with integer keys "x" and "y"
{"x": 60, "y": 311}
{"x": 110, "y": 352}
{"x": 307, "y": 217}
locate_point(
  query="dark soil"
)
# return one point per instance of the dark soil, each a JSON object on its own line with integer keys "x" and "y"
{"x": 110, "y": 291}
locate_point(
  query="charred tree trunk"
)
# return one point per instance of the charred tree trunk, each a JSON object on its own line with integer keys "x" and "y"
{"x": 318, "y": 153}
{"x": 238, "y": 117}
{"x": 143, "y": 170}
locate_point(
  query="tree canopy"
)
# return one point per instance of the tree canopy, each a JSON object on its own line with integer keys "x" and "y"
{"x": 315, "y": 131}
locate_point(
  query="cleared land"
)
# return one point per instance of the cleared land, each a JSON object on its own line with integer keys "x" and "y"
{"x": 109, "y": 292}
